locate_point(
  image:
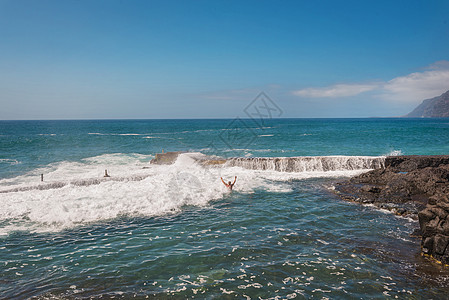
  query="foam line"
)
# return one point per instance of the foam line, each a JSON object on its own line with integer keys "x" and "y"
{"x": 309, "y": 163}
{"x": 84, "y": 196}
{"x": 82, "y": 182}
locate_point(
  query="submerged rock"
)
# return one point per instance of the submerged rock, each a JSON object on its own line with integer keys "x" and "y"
{"x": 166, "y": 158}
{"x": 415, "y": 186}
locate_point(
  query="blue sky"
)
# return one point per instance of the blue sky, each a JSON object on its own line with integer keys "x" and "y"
{"x": 92, "y": 59}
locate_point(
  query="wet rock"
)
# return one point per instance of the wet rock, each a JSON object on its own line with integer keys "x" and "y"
{"x": 370, "y": 189}
{"x": 440, "y": 242}
{"x": 166, "y": 158}
{"x": 409, "y": 163}
{"x": 416, "y": 233}
{"x": 427, "y": 245}
{"x": 416, "y": 186}
{"x": 425, "y": 216}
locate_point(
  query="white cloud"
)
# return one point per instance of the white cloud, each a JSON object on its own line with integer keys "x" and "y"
{"x": 417, "y": 86}
{"x": 336, "y": 91}
{"x": 439, "y": 65}
{"x": 411, "y": 88}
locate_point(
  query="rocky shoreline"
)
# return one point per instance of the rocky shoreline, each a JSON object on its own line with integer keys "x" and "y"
{"x": 413, "y": 186}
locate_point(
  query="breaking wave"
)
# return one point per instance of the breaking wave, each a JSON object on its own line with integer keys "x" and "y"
{"x": 76, "y": 193}
{"x": 309, "y": 164}
{"x": 9, "y": 161}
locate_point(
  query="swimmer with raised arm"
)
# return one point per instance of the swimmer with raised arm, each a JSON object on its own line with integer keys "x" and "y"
{"x": 229, "y": 185}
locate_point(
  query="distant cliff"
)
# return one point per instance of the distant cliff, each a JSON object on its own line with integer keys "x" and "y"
{"x": 437, "y": 107}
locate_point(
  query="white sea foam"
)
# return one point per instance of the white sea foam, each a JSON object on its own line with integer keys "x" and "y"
{"x": 163, "y": 189}
{"x": 309, "y": 163}
{"x": 128, "y": 134}
{"x": 394, "y": 153}
{"x": 119, "y": 134}
{"x": 117, "y": 164}
{"x": 9, "y": 161}
{"x": 76, "y": 193}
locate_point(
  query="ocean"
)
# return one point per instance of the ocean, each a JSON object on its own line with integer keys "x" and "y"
{"x": 175, "y": 231}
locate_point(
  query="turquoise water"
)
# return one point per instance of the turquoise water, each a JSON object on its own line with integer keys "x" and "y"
{"x": 175, "y": 231}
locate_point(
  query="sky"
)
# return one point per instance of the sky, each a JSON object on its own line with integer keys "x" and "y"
{"x": 111, "y": 59}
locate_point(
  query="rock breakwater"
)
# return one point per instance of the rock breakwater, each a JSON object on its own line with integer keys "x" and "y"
{"x": 415, "y": 186}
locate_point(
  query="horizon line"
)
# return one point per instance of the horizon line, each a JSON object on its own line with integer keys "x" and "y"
{"x": 162, "y": 119}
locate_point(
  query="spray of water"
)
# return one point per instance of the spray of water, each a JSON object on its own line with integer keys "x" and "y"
{"x": 76, "y": 193}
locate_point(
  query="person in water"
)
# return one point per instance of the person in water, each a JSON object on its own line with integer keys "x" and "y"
{"x": 229, "y": 185}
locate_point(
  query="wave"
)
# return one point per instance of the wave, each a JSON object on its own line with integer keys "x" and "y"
{"x": 131, "y": 190}
{"x": 91, "y": 167}
{"x": 120, "y": 134}
{"x": 76, "y": 193}
{"x": 9, "y": 161}
{"x": 81, "y": 182}
{"x": 129, "y": 134}
{"x": 309, "y": 163}
{"x": 395, "y": 153}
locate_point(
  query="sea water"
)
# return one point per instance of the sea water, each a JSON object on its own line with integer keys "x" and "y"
{"x": 175, "y": 231}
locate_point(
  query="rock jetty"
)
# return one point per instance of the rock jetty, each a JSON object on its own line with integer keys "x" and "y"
{"x": 415, "y": 186}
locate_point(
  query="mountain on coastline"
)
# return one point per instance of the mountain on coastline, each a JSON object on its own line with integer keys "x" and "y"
{"x": 437, "y": 107}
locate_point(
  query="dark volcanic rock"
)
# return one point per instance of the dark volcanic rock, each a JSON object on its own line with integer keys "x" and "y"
{"x": 417, "y": 186}
{"x": 437, "y": 107}
{"x": 408, "y": 163}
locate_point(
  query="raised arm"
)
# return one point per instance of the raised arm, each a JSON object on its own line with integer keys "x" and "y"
{"x": 223, "y": 181}
{"x": 235, "y": 179}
